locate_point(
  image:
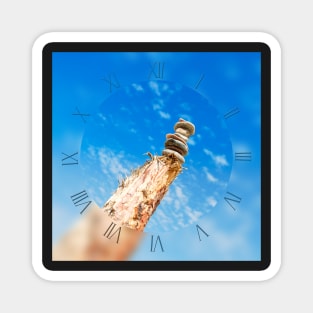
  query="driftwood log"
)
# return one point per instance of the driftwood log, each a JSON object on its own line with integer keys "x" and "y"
{"x": 113, "y": 231}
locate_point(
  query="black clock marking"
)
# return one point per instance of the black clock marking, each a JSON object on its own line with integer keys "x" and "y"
{"x": 81, "y": 114}
{"x": 231, "y": 113}
{"x": 199, "y": 82}
{"x": 155, "y": 243}
{"x": 232, "y": 198}
{"x": 157, "y": 70}
{"x": 79, "y": 197}
{"x": 243, "y": 156}
{"x": 109, "y": 233}
{"x": 204, "y": 232}
{"x": 69, "y": 159}
{"x": 112, "y": 80}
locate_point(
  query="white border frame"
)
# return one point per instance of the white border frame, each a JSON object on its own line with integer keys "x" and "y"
{"x": 156, "y": 275}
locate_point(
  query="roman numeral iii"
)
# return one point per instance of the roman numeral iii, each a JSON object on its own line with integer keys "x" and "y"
{"x": 243, "y": 156}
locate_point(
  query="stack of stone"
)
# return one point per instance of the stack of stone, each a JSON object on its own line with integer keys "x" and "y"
{"x": 176, "y": 144}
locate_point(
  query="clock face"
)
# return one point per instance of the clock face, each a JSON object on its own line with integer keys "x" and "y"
{"x": 137, "y": 117}
{"x": 112, "y": 106}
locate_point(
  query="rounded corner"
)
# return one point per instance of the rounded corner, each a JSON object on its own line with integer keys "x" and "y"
{"x": 42, "y": 41}
{"x": 41, "y": 271}
{"x": 271, "y": 271}
{"x": 270, "y": 41}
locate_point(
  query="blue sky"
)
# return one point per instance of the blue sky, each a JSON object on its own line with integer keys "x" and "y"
{"x": 126, "y": 122}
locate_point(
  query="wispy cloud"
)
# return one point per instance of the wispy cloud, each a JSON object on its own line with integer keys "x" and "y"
{"x": 211, "y": 178}
{"x": 192, "y": 214}
{"x": 219, "y": 160}
{"x": 154, "y": 86}
{"x": 211, "y": 201}
{"x": 156, "y": 106}
{"x": 164, "y": 115}
{"x": 111, "y": 163}
{"x": 180, "y": 194}
{"x": 137, "y": 87}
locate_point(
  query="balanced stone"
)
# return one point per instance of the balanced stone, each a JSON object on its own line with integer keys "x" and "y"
{"x": 175, "y": 144}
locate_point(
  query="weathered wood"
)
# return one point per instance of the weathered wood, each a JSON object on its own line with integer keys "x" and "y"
{"x": 114, "y": 231}
{"x": 138, "y": 196}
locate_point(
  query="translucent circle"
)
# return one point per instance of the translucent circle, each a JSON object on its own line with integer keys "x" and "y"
{"x": 133, "y": 121}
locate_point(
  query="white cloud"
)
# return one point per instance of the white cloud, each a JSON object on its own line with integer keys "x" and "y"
{"x": 102, "y": 116}
{"x": 111, "y": 163}
{"x": 165, "y": 115}
{"x": 219, "y": 160}
{"x": 91, "y": 152}
{"x": 155, "y": 88}
{"x": 211, "y": 178}
{"x": 156, "y": 106}
{"x": 211, "y": 201}
{"x": 180, "y": 194}
{"x": 137, "y": 87}
{"x": 192, "y": 214}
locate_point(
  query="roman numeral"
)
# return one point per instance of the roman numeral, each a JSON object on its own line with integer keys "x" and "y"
{"x": 69, "y": 159}
{"x": 243, "y": 156}
{"x": 112, "y": 80}
{"x": 199, "y": 81}
{"x": 155, "y": 243}
{"x": 231, "y": 113}
{"x": 82, "y": 115}
{"x": 230, "y": 198}
{"x": 157, "y": 70}
{"x": 79, "y": 198}
{"x": 111, "y": 232}
{"x": 199, "y": 228}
